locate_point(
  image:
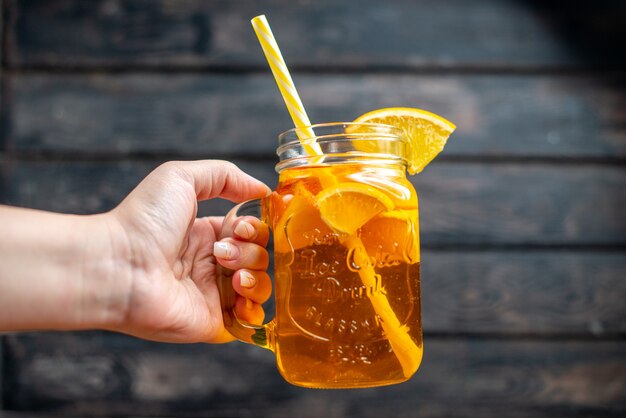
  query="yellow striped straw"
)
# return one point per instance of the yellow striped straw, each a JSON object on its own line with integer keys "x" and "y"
{"x": 285, "y": 85}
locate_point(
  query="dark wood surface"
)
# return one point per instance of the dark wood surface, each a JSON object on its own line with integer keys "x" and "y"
{"x": 554, "y": 116}
{"x": 522, "y": 216}
{"x": 318, "y": 34}
{"x": 50, "y": 370}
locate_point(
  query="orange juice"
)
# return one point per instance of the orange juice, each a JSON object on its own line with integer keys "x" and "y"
{"x": 330, "y": 331}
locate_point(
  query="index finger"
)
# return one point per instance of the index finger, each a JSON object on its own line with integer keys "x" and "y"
{"x": 217, "y": 178}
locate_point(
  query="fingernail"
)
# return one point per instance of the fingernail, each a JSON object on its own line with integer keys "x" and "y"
{"x": 248, "y": 304}
{"x": 246, "y": 279}
{"x": 245, "y": 230}
{"x": 225, "y": 250}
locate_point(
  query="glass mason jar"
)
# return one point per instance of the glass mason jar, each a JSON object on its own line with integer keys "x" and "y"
{"x": 346, "y": 260}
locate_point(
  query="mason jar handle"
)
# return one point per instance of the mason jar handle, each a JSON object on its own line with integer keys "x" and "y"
{"x": 261, "y": 335}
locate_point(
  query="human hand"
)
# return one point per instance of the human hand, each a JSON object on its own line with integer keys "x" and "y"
{"x": 170, "y": 279}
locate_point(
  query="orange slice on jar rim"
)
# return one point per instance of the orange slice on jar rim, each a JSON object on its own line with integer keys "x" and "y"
{"x": 426, "y": 133}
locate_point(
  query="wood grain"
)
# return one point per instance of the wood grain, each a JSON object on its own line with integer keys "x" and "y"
{"x": 534, "y": 203}
{"x": 460, "y": 203}
{"x": 524, "y": 292}
{"x": 405, "y": 33}
{"x": 79, "y": 373}
{"x": 234, "y": 115}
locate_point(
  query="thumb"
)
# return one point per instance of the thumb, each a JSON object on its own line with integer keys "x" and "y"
{"x": 215, "y": 178}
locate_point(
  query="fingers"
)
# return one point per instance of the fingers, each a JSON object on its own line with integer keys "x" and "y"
{"x": 244, "y": 228}
{"x": 245, "y": 253}
{"x": 253, "y": 288}
{"x": 234, "y": 254}
{"x": 249, "y": 311}
{"x": 253, "y": 284}
{"x": 251, "y": 229}
{"x": 214, "y": 178}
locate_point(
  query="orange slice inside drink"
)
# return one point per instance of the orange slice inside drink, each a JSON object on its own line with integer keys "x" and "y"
{"x": 392, "y": 236}
{"x": 347, "y": 206}
{"x": 301, "y": 224}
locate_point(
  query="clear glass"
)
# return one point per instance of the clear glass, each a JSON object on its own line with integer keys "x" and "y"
{"x": 346, "y": 248}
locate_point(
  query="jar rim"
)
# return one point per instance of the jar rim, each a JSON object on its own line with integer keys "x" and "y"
{"x": 337, "y": 143}
{"x": 291, "y": 135}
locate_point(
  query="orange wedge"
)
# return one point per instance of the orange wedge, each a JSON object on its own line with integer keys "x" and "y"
{"x": 300, "y": 225}
{"x": 346, "y": 207}
{"x": 426, "y": 132}
{"x": 392, "y": 236}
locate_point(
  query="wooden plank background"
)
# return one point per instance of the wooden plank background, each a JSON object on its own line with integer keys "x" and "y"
{"x": 574, "y": 116}
{"x": 321, "y": 34}
{"x": 523, "y": 226}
